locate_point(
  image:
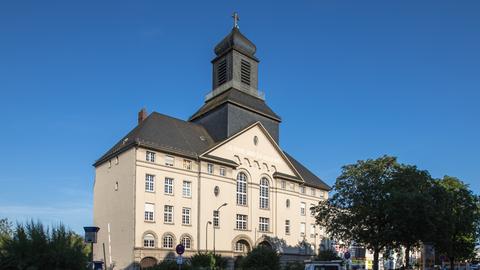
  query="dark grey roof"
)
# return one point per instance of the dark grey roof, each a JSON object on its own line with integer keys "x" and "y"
{"x": 222, "y": 160}
{"x": 310, "y": 178}
{"x": 165, "y": 133}
{"x": 235, "y": 40}
{"x": 239, "y": 98}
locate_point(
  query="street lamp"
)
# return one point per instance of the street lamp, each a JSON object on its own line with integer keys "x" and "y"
{"x": 206, "y": 235}
{"x": 218, "y": 211}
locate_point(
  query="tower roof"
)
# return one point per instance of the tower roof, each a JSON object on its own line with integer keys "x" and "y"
{"x": 236, "y": 40}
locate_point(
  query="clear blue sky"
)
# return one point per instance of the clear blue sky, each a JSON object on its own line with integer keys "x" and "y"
{"x": 351, "y": 79}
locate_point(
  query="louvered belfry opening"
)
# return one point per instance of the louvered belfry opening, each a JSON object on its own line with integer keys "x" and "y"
{"x": 222, "y": 72}
{"x": 246, "y": 70}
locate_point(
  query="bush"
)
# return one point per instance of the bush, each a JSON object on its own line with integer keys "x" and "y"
{"x": 327, "y": 255}
{"x": 261, "y": 258}
{"x": 207, "y": 260}
{"x": 294, "y": 266}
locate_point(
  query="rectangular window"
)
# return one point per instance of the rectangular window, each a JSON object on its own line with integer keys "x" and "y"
{"x": 210, "y": 168}
{"x": 311, "y": 212}
{"x": 241, "y": 222}
{"x": 284, "y": 184}
{"x": 312, "y": 190}
{"x": 186, "y": 216}
{"x": 302, "y": 228}
{"x": 187, "y": 189}
{"x": 149, "y": 212}
{"x": 287, "y": 227}
{"x": 168, "y": 214}
{"x": 264, "y": 224}
{"x": 216, "y": 219}
{"x": 150, "y": 157}
{"x": 222, "y": 171}
{"x": 150, "y": 183}
{"x": 169, "y": 161}
{"x": 312, "y": 231}
{"x": 303, "y": 208}
{"x": 187, "y": 164}
{"x": 168, "y": 186}
{"x": 302, "y": 189}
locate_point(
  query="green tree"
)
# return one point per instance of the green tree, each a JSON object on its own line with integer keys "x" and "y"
{"x": 410, "y": 208}
{"x": 327, "y": 255}
{"x": 33, "y": 246}
{"x": 357, "y": 210}
{"x": 5, "y": 230}
{"x": 261, "y": 258}
{"x": 458, "y": 220}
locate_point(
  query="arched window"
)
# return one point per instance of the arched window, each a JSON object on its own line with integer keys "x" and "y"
{"x": 149, "y": 240}
{"x": 187, "y": 242}
{"x": 168, "y": 241}
{"x": 242, "y": 189}
{"x": 288, "y": 203}
{"x": 264, "y": 193}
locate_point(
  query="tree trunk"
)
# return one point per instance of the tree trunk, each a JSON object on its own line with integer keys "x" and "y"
{"x": 407, "y": 257}
{"x": 376, "y": 253}
{"x": 452, "y": 263}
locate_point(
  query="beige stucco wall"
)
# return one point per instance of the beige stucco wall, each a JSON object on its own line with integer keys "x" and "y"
{"x": 115, "y": 207}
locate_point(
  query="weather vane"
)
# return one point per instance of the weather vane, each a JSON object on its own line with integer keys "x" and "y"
{"x": 236, "y": 18}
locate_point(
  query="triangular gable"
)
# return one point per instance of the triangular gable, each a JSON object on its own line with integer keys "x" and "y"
{"x": 242, "y": 149}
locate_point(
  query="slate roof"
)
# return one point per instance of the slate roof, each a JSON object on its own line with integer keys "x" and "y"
{"x": 172, "y": 135}
{"x": 239, "y": 98}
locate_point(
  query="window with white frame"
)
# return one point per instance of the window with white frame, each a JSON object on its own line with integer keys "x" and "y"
{"x": 186, "y": 216}
{"x": 242, "y": 222}
{"x": 168, "y": 187}
{"x": 312, "y": 191}
{"x": 168, "y": 214}
{"x": 240, "y": 246}
{"x": 303, "y": 208}
{"x": 150, "y": 156}
{"x": 242, "y": 189}
{"x": 149, "y": 240}
{"x": 222, "y": 171}
{"x": 302, "y": 228}
{"x": 187, "y": 164}
{"x": 150, "y": 183}
{"x": 210, "y": 168}
{"x": 264, "y": 193}
{"x": 312, "y": 231}
{"x": 186, "y": 242}
{"x": 216, "y": 218}
{"x": 287, "y": 227}
{"x": 284, "y": 184}
{"x": 187, "y": 189}
{"x": 169, "y": 161}
{"x": 302, "y": 189}
{"x": 264, "y": 224}
{"x": 168, "y": 241}
{"x": 149, "y": 212}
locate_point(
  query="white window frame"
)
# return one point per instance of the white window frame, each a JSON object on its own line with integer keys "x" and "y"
{"x": 210, "y": 168}
{"x": 264, "y": 224}
{"x": 149, "y": 182}
{"x": 303, "y": 228}
{"x": 223, "y": 171}
{"x": 187, "y": 189}
{"x": 242, "y": 222}
{"x": 168, "y": 185}
{"x": 242, "y": 185}
{"x": 264, "y": 193}
{"x": 168, "y": 241}
{"x": 149, "y": 241}
{"x": 168, "y": 214}
{"x": 287, "y": 227}
{"x": 216, "y": 219}
{"x": 186, "y": 241}
{"x": 186, "y": 218}
{"x": 303, "y": 209}
{"x": 302, "y": 189}
{"x": 149, "y": 212}
{"x": 150, "y": 156}
{"x": 169, "y": 161}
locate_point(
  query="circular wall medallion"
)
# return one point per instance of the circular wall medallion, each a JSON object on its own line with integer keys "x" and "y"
{"x": 216, "y": 191}
{"x": 255, "y": 140}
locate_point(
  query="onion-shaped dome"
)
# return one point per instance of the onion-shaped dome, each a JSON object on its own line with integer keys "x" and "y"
{"x": 235, "y": 40}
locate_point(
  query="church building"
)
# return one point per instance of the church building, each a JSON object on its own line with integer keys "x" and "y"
{"x": 217, "y": 182}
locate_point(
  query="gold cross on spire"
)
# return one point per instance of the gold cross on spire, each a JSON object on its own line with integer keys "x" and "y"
{"x": 236, "y": 18}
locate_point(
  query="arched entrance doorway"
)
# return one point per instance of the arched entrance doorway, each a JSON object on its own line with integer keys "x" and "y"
{"x": 148, "y": 262}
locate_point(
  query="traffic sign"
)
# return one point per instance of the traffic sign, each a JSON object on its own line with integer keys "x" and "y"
{"x": 179, "y": 260}
{"x": 347, "y": 255}
{"x": 180, "y": 249}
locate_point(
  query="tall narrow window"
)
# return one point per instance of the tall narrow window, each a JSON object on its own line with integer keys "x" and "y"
{"x": 150, "y": 156}
{"x": 222, "y": 171}
{"x": 168, "y": 214}
{"x": 149, "y": 212}
{"x": 216, "y": 218}
{"x": 284, "y": 184}
{"x": 302, "y": 189}
{"x": 210, "y": 168}
{"x": 242, "y": 189}
{"x": 168, "y": 241}
{"x": 168, "y": 187}
{"x": 222, "y": 72}
{"x": 149, "y": 183}
{"x": 187, "y": 242}
{"x": 187, "y": 189}
{"x": 302, "y": 228}
{"x": 264, "y": 193}
{"x": 303, "y": 208}
{"x": 312, "y": 191}
{"x": 264, "y": 224}
{"x": 312, "y": 231}
{"x": 186, "y": 216}
{"x": 287, "y": 227}
{"x": 245, "y": 72}
{"x": 241, "y": 222}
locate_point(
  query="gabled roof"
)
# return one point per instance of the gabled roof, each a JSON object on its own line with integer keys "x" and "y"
{"x": 310, "y": 178}
{"x": 238, "y": 98}
{"x": 165, "y": 133}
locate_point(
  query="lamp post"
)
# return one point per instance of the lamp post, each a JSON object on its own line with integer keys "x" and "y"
{"x": 218, "y": 211}
{"x": 206, "y": 235}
